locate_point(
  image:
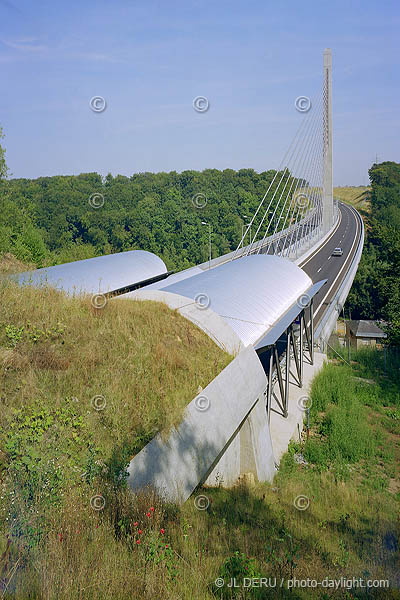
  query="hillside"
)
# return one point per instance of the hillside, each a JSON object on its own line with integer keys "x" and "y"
{"x": 58, "y": 219}
{"x": 80, "y": 390}
{"x": 144, "y": 359}
{"x": 359, "y": 197}
{"x": 375, "y": 293}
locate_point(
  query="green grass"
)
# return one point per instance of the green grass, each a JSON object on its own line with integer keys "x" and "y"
{"x": 359, "y": 197}
{"x": 69, "y": 527}
{"x": 128, "y": 369}
{"x": 82, "y": 390}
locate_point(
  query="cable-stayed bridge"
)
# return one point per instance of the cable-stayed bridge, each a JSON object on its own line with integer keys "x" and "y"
{"x": 271, "y": 303}
{"x": 298, "y": 206}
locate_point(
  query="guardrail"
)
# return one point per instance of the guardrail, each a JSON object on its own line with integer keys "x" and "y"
{"x": 326, "y": 324}
{"x": 311, "y": 244}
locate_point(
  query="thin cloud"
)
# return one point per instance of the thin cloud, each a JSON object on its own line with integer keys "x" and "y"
{"x": 29, "y": 45}
{"x": 34, "y": 46}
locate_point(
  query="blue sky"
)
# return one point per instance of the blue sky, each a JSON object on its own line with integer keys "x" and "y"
{"x": 150, "y": 58}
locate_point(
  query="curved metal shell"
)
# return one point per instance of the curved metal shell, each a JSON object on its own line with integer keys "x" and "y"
{"x": 251, "y": 293}
{"x": 97, "y": 275}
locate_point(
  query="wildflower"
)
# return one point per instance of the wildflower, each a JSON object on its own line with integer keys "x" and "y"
{"x": 166, "y": 545}
{"x": 136, "y": 524}
{"x": 152, "y": 509}
{"x": 162, "y": 530}
{"x": 60, "y": 537}
{"x": 138, "y": 541}
{"x": 148, "y": 514}
{"x": 140, "y": 531}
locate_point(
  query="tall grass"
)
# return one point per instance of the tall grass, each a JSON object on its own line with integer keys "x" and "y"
{"x": 81, "y": 391}
{"x": 339, "y": 418}
{"x": 130, "y": 367}
{"x": 58, "y": 453}
{"x": 359, "y": 197}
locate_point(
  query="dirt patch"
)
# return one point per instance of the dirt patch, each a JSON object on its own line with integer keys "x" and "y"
{"x": 394, "y": 486}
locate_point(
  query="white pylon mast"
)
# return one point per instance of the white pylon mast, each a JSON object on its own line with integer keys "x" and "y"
{"x": 327, "y": 191}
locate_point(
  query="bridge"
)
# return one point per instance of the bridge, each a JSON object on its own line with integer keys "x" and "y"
{"x": 271, "y": 303}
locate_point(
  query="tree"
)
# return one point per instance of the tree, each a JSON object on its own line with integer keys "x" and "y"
{"x": 3, "y": 164}
{"x": 376, "y": 290}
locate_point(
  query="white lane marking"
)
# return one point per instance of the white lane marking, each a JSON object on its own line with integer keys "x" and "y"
{"x": 301, "y": 265}
{"x": 330, "y": 258}
{"x": 319, "y": 269}
{"x": 344, "y": 265}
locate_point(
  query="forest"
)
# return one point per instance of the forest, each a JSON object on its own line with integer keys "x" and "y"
{"x": 375, "y": 293}
{"x": 51, "y": 220}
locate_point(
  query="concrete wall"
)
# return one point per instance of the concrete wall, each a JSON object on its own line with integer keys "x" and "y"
{"x": 224, "y": 434}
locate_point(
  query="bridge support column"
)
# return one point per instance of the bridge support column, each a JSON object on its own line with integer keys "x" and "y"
{"x": 301, "y": 345}
{"x": 269, "y": 391}
{"x": 327, "y": 191}
{"x": 287, "y": 375}
{"x": 311, "y": 348}
{"x": 277, "y": 367}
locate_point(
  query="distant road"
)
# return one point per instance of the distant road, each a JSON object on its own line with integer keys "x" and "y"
{"x": 322, "y": 265}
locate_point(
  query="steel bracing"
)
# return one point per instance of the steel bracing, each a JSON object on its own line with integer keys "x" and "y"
{"x": 295, "y": 346}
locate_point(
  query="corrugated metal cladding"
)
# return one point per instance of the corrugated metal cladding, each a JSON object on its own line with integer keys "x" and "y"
{"x": 174, "y": 278}
{"x": 97, "y": 275}
{"x": 250, "y": 293}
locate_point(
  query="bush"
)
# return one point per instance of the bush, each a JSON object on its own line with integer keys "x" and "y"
{"x": 233, "y": 572}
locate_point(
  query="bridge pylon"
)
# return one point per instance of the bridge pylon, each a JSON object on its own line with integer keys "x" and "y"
{"x": 327, "y": 184}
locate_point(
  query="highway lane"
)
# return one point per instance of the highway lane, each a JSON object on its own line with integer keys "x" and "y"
{"x": 322, "y": 265}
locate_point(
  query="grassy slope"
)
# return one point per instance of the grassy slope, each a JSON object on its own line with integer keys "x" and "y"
{"x": 81, "y": 391}
{"x": 62, "y": 546}
{"x": 356, "y": 196}
{"x": 145, "y": 359}
{"x": 350, "y": 528}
